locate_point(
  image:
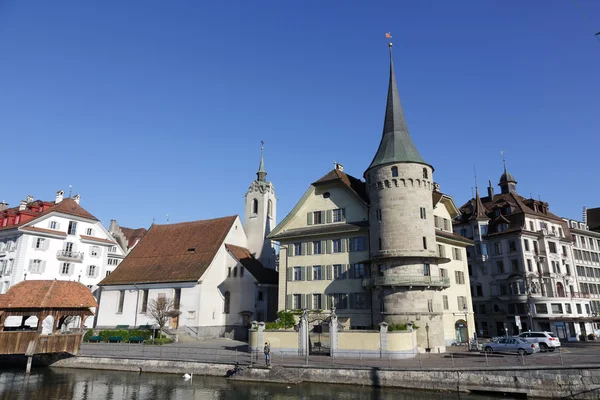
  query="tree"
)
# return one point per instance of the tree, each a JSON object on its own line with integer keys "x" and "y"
{"x": 161, "y": 309}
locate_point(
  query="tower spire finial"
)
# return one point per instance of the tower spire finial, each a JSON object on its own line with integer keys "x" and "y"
{"x": 503, "y": 160}
{"x": 261, "y": 174}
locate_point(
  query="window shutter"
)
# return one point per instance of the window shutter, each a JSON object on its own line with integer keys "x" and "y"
{"x": 309, "y": 248}
{"x": 329, "y": 272}
{"x": 309, "y": 274}
{"x": 289, "y": 301}
{"x": 303, "y": 274}
{"x": 303, "y": 248}
{"x": 290, "y": 274}
{"x": 329, "y": 214}
{"x": 46, "y": 244}
{"x": 328, "y": 302}
{"x": 34, "y": 242}
{"x": 308, "y": 302}
{"x": 58, "y": 226}
{"x": 344, "y": 245}
{"x": 309, "y": 218}
{"x": 328, "y": 244}
{"x": 42, "y": 267}
{"x": 352, "y": 298}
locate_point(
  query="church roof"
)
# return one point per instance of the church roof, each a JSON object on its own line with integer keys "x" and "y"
{"x": 396, "y": 145}
{"x": 252, "y": 265}
{"x": 172, "y": 253}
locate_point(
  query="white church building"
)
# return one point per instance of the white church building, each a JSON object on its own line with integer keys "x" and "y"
{"x": 219, "y": 273}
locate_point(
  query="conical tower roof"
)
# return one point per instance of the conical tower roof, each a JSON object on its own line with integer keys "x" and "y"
{"x": 396, "y": 145}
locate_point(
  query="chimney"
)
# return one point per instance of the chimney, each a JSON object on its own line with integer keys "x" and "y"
{"x": 59, "y": 196}
{"x": 29, "y": 199}
{"x": 77, "y": 198}
{"x": 3, "y": 205}
{"x": 490, "y": 190}
{"x": 339, "y": 166}
{"x": 585, "y": 215}
{"x": 113, "y": 228}
{"x": 22, "y": 205}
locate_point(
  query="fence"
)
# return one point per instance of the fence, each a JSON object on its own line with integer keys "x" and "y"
{"x": 454, "y": 358}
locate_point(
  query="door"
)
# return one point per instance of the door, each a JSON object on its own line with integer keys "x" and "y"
{"x": 461, "y": 331}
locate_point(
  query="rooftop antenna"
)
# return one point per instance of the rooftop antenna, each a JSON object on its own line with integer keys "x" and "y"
{"x": 153, "y": 220}
{"x": 70, "y": 190}
{"x": 167, "y": 218}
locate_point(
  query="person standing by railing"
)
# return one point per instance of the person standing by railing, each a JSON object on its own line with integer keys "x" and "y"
{"x": 267, "y": 351}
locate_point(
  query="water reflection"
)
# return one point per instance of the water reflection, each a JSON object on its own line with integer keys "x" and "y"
{"x": 70, "y": 384}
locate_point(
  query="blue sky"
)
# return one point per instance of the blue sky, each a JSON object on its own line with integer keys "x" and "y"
{"x": 151, "y": 108}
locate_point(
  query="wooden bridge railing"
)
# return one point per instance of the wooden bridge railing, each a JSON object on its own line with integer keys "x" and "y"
{"x": 17, "y": 342}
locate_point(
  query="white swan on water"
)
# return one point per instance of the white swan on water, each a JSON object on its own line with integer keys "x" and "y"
{"x": 187, "y": 376}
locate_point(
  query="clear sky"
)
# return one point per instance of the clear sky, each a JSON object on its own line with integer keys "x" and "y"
{"x": 151, "y": 108}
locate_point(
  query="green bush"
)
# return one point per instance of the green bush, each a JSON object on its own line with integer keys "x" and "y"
{"x": 159, "y": 341}
{"x": 397, "y": 327}
{"x": 88, "y": 335}
{"x": 286, "y": 320}
{"x": 125, "y": 334}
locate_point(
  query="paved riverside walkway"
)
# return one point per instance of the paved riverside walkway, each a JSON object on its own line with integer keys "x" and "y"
{"x": 229, "y": 352}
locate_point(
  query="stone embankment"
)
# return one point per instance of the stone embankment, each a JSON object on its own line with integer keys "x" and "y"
{"x": 575, "y": 382}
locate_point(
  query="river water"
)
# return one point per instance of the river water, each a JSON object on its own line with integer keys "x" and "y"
{"x": 79, "y": 384}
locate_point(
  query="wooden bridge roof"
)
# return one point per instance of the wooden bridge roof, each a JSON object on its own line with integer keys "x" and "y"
{"x": 47, "y": 295}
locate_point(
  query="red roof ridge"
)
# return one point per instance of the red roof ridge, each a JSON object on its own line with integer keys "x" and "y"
{"x": 195, "y": 222}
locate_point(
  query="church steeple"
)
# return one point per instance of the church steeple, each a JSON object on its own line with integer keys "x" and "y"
{"x": 261, "y": 174}
{"x": 507, "y": 184}
{"x": 396, "y": 145}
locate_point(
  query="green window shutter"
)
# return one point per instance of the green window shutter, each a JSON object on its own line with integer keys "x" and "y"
{"x": 309, "y": 248}
{"x": 303, "y": 273}
{"x": 328, "y": 302}
{"x": 329, "y": 214}
{"x": 328, "y": 245}
{"x": 289, "y": 304}
{"x": 344, "y": 245}
{"x": 309, "y": 274}
{"x": 290, "y": 274}
{"x": 309, "y": 218}
{"x": 308, "y": 302}
{"x": 351, "y": 296}
{"x": 329, "y": 272}
{"x": 303, "y": 246}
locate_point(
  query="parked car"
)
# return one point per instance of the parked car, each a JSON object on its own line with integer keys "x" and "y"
{"x": 547, "y": 340}
{"x": 511, "y": 345}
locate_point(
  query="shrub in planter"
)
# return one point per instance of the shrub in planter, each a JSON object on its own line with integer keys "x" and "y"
{"x": 591, "y": 336}
{"x": 88, "y": 335}
{"x": 159, "y": 341}
{"x": 582, "y": 338}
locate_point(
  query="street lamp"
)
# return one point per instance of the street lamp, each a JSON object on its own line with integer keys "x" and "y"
{"x": 466, "y": 311}
{"x": 428, "y": 349}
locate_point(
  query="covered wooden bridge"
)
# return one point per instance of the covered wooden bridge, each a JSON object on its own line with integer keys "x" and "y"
{"x": 42, "y": 299}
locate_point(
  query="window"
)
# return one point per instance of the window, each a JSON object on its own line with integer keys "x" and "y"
{"x": 512, "y": 246}
{"x": 423, "y": 213}
{"x": 578, "y": 308}
{"x": 108, "y": 273}
{"x": 65, "y": 269}
{"x": 340, "y": 300}
{"x": 317, "y": 273}
{"x": 235, "y": 272}
{"x": 53, "y": 225}
{"x": 358, "y": 271}
{"x": 456, "y": 253}
{"x": 35, "y": 266}
{"x": 254, "y": 206}
{"x": 260, "y": 295}
{"x": 500, "y": 267}
{"x": 552, "y": 247}
{"x": 297, "y": 303}
{"x": 357, "y": 244}
{"x": 121, "y": 301}
{"x": 459, "y": 277}
{"x": 338, "y": 271}
{"x": 226, "y": 302}
{"x": 270, "y": 208}
{"x": 297, "y": 273}
{"x": 446, "y": 305}
{"x": 463, "y": 232}
{"x": 443, "y": 273}
{"x": 337, "y": 245}
{"x": 426, "y": 269}
{"x": 69, "y": 247}
{"x": 567, "y": 308}
{"x": 144, "y": 301}
{"x": 317, "y": 303}
{"x": 112, "y": 249}
{"x": 479, "y": 290}
{"x": 39, "y": 243}
{"x": 91, "y": 270}
{"x": 425, "y": 174}
{"x": 94, "y": 251}
{"x": 317, "y": 247}
{"x": 113, "y": 261}
{"x": 378, "y": 214}
{"x": 498, "y": 248}
{"x": 89, "y": 231}
{"x": 441, "y": 250}
{"x": 541, "y": 308}
{"x": 424, "y": 242}
{"x": 484, "y": 230}
{"x": 242, "y": 269}
{"x": 394, "y": 172}
{"x": 72, "y": 228}
{"x": 462, "y": 302}
{"x": 587, "y": 309}
{"x": 529, "y": 266}
{"x": 360, "y": 301}
{"x": 484, "y": 249}
{"x": 515, "y": 265}
{"x": 556, "y": 308}
{"x": 229, "y": 272}
{"x": 317, "y": 217}
{"x": 338, "y": 215}
{"x": 192, "y": 315}
{"x": 526, "y": 243}
{"x": 297, "y": 249}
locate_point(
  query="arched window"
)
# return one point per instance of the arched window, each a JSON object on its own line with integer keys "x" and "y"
{"x": 394, "y": 171}
{"x": 560, "y": 290}
{"x": 269, "y": 207}
{"x": 425, "y": 174}
{"x": 226, "y": 302}
{"x": 254, "y": 206}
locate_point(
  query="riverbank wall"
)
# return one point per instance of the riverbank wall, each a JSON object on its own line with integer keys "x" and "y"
{"x": 577, "y": 382}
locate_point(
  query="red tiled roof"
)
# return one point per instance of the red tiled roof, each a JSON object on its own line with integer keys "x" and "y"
{"x": 67, "y": 206}
{"x": 172, "y": 253}
{"x": 133, "y": 235}
{"x": 96, "y": 239}
{"x": 258, "y": 271}
{"x": 42, "y": 230}
{"x": 47, "y": 294}
{"x": 353, "y": 183}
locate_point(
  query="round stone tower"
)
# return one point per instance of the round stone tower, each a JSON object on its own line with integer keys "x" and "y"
{"x": 406, "y": 279}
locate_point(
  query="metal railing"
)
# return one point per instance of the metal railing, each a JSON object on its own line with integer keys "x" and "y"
{"x": 407, "y": 280}
{"x": 72, "y": 255}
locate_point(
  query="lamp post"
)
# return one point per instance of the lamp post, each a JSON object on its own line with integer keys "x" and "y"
{"x": 466, "y": 311}
{"x": 305, "y": 328}
{"x": 428, "y": 349}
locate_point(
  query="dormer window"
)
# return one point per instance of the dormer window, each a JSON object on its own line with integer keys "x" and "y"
{"x": 394, "y": 171}
{"x": 425, "y": 173}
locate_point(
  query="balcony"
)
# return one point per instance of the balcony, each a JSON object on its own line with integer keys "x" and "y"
{"x": 407, "y": 280}
{"x": 69, "y": 255}
{"x": 580, "y": 295}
